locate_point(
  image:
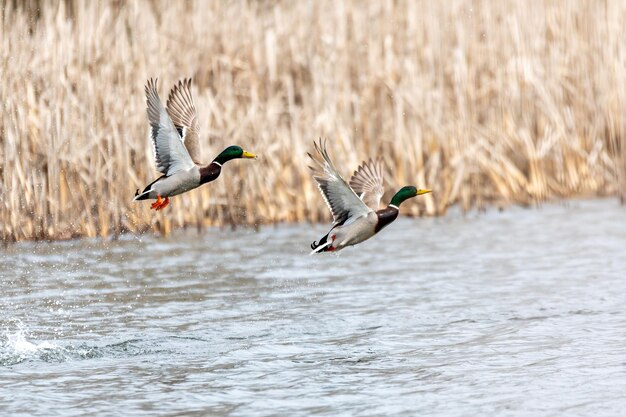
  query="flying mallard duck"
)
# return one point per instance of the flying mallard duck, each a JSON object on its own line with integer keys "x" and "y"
{"x": 355, "y": 206}
{"x": 174, "y": 133}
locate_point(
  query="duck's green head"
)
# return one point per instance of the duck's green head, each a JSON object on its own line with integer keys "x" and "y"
{"x": 405, "y": 193}
{"x": 233, "y": 152}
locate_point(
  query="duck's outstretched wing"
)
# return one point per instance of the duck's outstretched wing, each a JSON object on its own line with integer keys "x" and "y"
{"x": 367, "y": 182}
{"x": 182, "y": 111}
{"x": 170, "y": 153}
{"x": 343, "y": 203}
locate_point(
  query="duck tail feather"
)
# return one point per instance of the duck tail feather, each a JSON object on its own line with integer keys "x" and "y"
{"x": 143, "y": 196}
{"x": 321, "y": 245}
{"x": 319, "y": 248}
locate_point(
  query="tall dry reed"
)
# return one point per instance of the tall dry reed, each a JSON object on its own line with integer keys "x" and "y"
{"x": 486, "y": 102}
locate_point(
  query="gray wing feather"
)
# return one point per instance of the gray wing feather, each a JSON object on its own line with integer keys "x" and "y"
{"x": 343, "y": 203}
{"x": 170, "y": 153}
{"x": 182, "y": 110}
{"x": 367, "y": 182}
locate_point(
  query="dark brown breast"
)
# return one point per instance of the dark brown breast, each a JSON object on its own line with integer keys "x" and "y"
{"x": 385, "y": 216}
{"x": 210, "y": 172}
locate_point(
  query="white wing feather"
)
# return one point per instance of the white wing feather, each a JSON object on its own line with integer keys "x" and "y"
{"x": 170, "y": 153}
{"x": 344, "y": 204}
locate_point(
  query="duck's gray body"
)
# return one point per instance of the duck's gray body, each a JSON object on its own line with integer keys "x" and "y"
{"x": 359, "y": 230}
{"x": 356, "y": 232}
{"x": 179, "y": 183}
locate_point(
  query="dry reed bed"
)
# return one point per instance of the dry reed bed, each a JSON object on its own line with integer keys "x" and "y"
{"x": 485, "y": 102}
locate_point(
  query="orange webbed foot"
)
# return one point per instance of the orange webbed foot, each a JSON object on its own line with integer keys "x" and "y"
{"x": 158, "y": 203}
{"x": 163, "y": 204}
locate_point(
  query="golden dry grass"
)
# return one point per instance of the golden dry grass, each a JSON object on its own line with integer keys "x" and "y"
{"x": 486, "y": 102}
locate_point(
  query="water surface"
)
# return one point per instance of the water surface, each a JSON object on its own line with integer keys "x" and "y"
{"x": 518, "y": 312}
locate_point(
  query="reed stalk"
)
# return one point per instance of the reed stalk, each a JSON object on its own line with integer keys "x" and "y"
{"x": 486, "y": 102}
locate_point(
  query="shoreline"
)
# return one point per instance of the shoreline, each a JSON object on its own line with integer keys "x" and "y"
{"x": 193, "y": 230}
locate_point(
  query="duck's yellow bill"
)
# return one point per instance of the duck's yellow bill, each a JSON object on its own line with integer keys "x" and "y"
{"x": 247, "y": 154}
{"x": 420, "y": 192}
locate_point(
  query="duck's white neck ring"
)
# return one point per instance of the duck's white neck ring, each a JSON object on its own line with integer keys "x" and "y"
{"x": 394, "y": 206}
{"x": 217, "y": 163}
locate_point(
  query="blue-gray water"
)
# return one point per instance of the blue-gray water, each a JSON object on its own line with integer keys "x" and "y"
{"x": 514, "y": 313}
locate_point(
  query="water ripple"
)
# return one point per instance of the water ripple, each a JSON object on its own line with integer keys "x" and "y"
{"x": 519, "y": 312}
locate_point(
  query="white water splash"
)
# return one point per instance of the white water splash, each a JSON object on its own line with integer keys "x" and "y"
{"x": 15, "y": 348}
